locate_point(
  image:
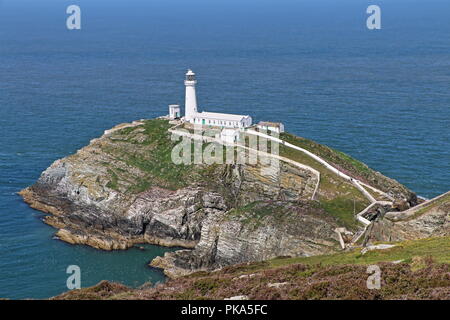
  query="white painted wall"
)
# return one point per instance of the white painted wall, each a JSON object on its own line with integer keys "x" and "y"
{"x": 190, "y": 102}
{"x": 246, "y": 122}
{"x": 174, "y": 111}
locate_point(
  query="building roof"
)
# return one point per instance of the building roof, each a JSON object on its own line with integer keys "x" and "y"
{"x": 221, "y": 116}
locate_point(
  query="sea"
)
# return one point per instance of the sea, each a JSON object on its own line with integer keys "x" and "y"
{"x": 379, "y": 95}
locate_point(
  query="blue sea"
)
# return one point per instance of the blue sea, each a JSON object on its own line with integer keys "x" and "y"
{"x": 382, "y": 96}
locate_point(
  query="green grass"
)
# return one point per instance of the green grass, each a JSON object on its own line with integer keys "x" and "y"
{"x": 343, "y": 209}
{"x": 256, "y": 212}
{"x": 148, "y": 148}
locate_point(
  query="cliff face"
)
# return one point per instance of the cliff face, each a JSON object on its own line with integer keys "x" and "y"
{"x": 124, "y": 189}
{"x": 257, "y": 232}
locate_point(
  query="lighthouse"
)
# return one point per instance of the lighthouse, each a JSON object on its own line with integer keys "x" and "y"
{"x": 221, "y": 120}
{"x": 191, "y": 99}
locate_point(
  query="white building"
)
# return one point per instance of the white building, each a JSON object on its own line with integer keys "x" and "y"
{"x": 174, "y": 111}
{"x": 271, "y": 126}
{"x": 222, "y": 120}
{"x": 209, "y": 118}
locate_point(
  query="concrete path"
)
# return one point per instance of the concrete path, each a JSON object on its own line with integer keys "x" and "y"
{"x": 363, "y": 220}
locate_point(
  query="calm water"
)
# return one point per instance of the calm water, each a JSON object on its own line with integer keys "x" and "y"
{"x": 380, "y": 96}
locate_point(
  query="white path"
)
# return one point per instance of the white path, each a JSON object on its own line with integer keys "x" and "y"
{"x": 360, "y": 216}
{"x": 377, "y": 190}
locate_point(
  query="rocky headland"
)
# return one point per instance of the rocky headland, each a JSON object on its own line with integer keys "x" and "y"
{"x": 123, "y": 189}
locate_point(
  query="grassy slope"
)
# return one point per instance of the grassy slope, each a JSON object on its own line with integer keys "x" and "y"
{"x": 342, "y": 161}
{"x": 145, "y": 149}
{"x": 338, "y": 197}
{"x": 334, "y": 157}
{"x": 259, "y": 213}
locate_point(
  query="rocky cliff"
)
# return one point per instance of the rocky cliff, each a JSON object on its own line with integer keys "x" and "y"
{"x": 123, "y": 189}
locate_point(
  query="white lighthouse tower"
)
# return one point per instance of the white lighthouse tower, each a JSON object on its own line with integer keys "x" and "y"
{"x": 191, "y": 99}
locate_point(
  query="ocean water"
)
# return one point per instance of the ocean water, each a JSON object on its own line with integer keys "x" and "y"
{"x": 381, "y": 96}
